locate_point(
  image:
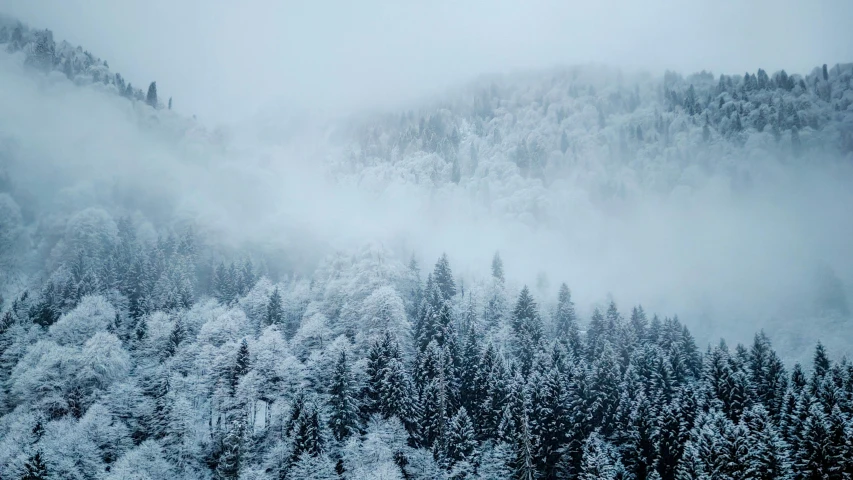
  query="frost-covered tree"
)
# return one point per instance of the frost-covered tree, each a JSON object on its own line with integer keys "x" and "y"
{"x": 343, "y": 406}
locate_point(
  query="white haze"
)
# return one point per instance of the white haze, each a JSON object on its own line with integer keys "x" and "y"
{"x": 727, "y": 263}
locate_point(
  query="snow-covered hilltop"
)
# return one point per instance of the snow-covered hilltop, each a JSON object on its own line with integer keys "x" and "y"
{"x": 44, "y": 53}
{"x": 620, "y": 134}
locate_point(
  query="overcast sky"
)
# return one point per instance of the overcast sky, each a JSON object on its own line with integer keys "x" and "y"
{"x": 224, "y": 60}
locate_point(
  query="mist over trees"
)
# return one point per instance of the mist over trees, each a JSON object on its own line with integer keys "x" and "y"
{"x": 137, "y": 343}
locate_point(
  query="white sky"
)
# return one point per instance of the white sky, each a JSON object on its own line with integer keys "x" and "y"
{"x": 227, "y": 59}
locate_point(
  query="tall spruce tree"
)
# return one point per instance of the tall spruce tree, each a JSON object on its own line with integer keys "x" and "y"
{"x": 343, "y": 406}
{"x": 275, "y": 310}
{"x": 527, "y": 329}
{"x": 443, "y": 278}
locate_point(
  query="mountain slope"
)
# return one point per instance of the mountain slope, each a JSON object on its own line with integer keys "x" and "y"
{"x": 164, "y": 313}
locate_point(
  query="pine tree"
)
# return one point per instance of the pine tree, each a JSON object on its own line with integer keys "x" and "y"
{"x": 527, "y": 328}
{"x": 469, "y": 369}
{"x": 492, "y": 389}
{"x": 230, "y": 459}
{"x": 840, "y": 444}
{"x": 813, "y": 458}
{"x": 550, "y": 421}
{"x": 275, "y": 310}
{"x": 461, "y": 441}
{"x": 565, "y": 320}
{"x": 494, "y": 462}
{"x": 596, "y": 335}
{"x": 443, "y": 278}
{"x": 170, "y": 103}
{"x": 175, "y": 337}
{"x": 498, "y": 268}
{"x": 821, "y": 367}
{"x": 639, "y": 324}
{"x": 640, "y": 450}
{"x": 767, "y": 456}
{"x": 35, "y": 468}
{"x": 396, "y": 395}
{"x": 672, "y": 436}
{"x": 151, "y": 99}
{"x": 343, "y": 416}
{"x": 523, "y": 461}
{"x": 496, "y": 305}
{"x": 377, "y": 361}
{"x": 241, "y": 364}
{"x": 604, "y": 391}
{"x": 434, "y": 414}
{"x": 767, "y": 375}
{"x": 308, "y": 437}
{"x": 599, "y": 460}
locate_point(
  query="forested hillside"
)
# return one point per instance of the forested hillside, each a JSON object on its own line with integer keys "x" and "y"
{"x": 136, "y": 342}
{"x": 135, "y": 359}
{"x": 517, "y": 138}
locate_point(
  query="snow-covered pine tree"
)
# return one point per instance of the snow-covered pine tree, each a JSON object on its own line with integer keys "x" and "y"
{"x": 343, "y": 406}
{"x": 527, "y": 329}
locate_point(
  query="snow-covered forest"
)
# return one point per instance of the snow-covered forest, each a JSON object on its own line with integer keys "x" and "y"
{"x": 149, "y": 329}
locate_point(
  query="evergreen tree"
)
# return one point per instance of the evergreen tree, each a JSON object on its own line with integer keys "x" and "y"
{"x": 461, "y": 441}
{"x": 672, "y": 437}
{"x": 494, "y": 462}
{"x": 599, "y": 460}
{"x": 813, "y": 458}
{"x": 767, "y": 375}
{"x": 550, "y": 422}
{"x": 468, "y": 372}
{"x": 524, "y": 466}
{"x": 230, "y": 459}
{"x": 151, "y": 98}
{"x": 821, "y": 367}
{"x": 177, "y": 336}
{"x": 565, "y": 320}
{"x": 241, "y": 365}
{"x": 527, "y": 328}
{"x": 275, "y": 310}
{"x": 767, "y": 456}
{"x": 308, "y": 436}
{"x": 498, "y": 268}
{"x": 396, "y": 395}
{"x": 377, "y": 361}
{"x": 604, "y": 391}
{"x": 35, "y": 468}
{"x": 640, "y": 451}
{"x": 596, "y": 335}
{"x": 434, "y": 414}
{"x": 443, "y": 278}
{"x": 840, "y": 444}
{"x": 639, "y": 324}
{"x": 343, "y": 417}
{"x": 492, "y": 385}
